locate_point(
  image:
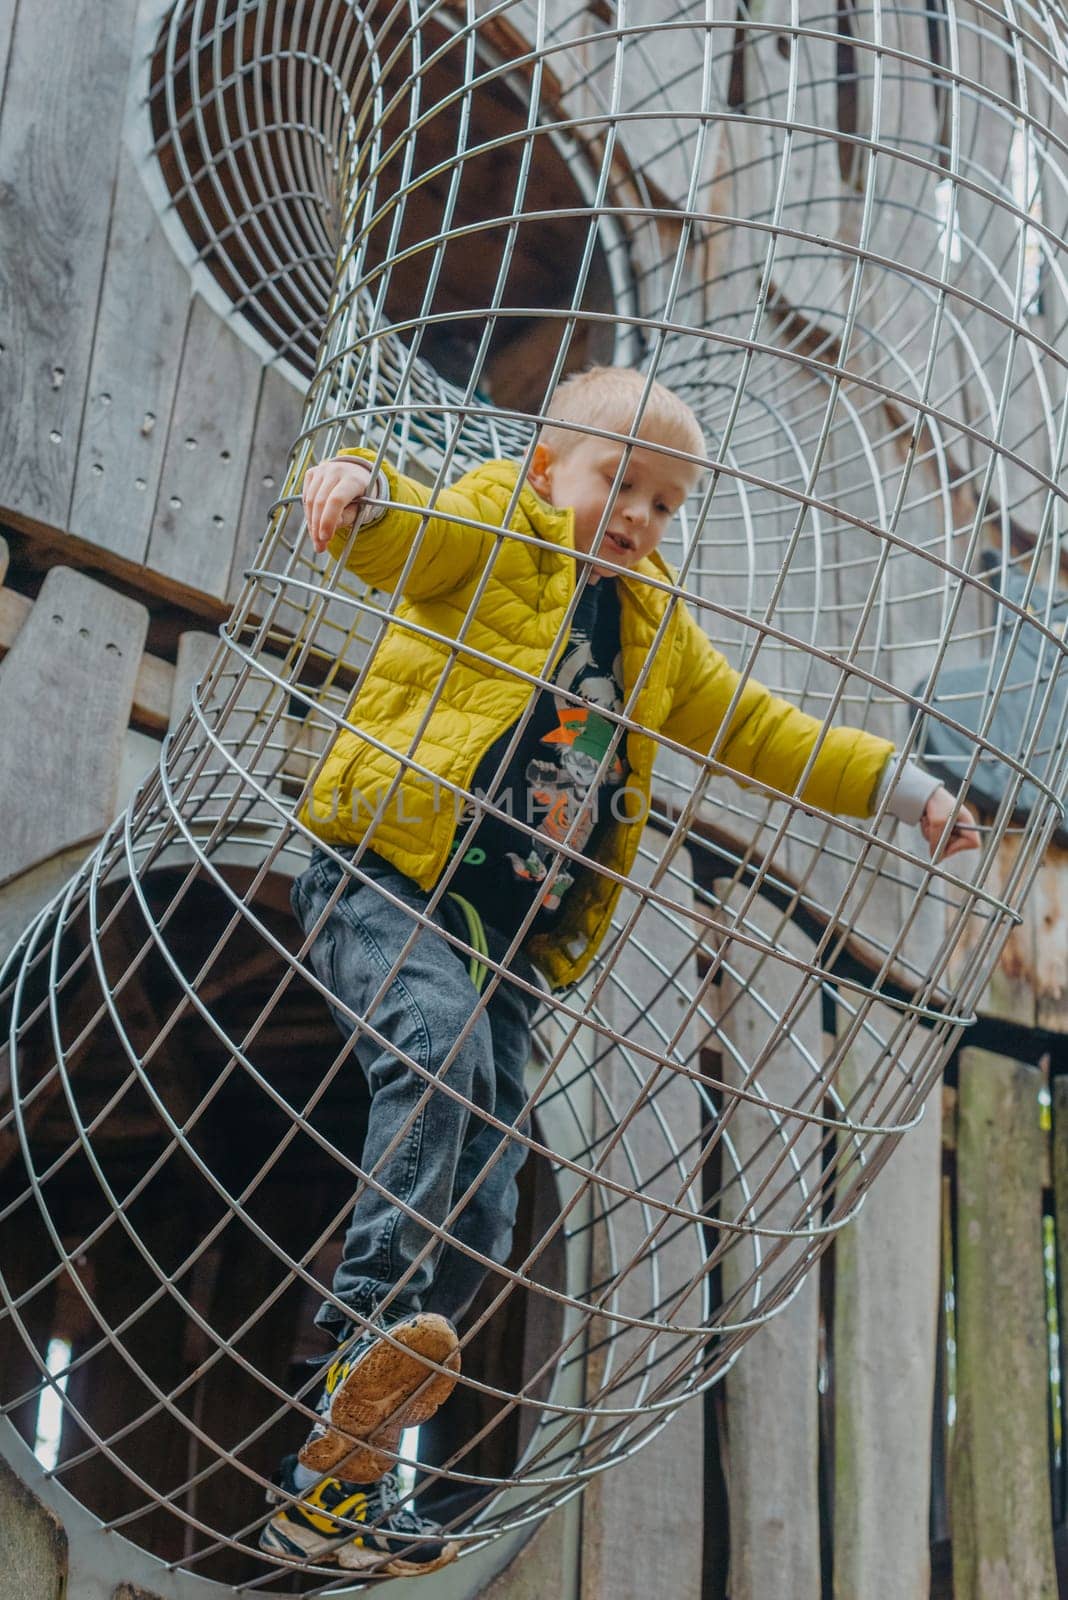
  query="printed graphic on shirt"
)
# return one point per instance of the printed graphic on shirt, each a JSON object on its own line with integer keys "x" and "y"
{"x": 559, "y": 781}
{"x": 550, "y": 781}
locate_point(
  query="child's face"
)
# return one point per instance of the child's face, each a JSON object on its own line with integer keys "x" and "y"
{"x": 651, "y": 490}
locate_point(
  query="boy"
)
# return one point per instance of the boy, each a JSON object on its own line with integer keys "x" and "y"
{"x": 450, "y": 706}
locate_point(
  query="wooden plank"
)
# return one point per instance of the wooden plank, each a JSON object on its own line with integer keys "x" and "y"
{"x": 1000, "y": 1490}
{"x": 886, "y": 1261}
{"x": 1059, "y": 1176}
{"x": 59, "y": 146}
{"x": 885, "y": 1327}
{"x": 199, "y": 500}
{"x": 195, "y": 650}
{"x": 8, "y": 10}
{"x": 140, "y": 756}
{"x": 33, "y": 1545}
{"x": 137, "y": 349}
{"x": 14, "y": 609}
{"x": 771, "y": 1396}
{"x": 1045, "y": 907}
{"x": 153, "y": 685}
{"x": 242, "y": 731}
{"x": 666, "y": 1475}
{"x": 905, "y": 224}
{"x": 544, "y": 1566}
{"x": 278, "y": 421}
{"x": 807, "y": 272}
{"x": 991, "y": 241}
{"x": 23, "y": 898}
{"x": 1012, "y": 992}
{"x": 1049, "y": 109}
{"x": 66, "y": 690}
{"x": 771, "y": 1391}
{"x": 152, "y": 692}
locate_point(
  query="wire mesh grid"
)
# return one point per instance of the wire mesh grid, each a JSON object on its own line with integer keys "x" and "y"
{"x": 838, "y": 235}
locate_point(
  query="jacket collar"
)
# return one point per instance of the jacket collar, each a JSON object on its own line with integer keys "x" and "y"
{"x": 557, "y": 524}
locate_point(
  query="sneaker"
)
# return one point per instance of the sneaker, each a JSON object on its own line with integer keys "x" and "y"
{"x": 358, "y": 1525}
{"x": 375, "y": 1389}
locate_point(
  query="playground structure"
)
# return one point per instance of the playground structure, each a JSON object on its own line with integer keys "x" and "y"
{"x": 840, "y": 239}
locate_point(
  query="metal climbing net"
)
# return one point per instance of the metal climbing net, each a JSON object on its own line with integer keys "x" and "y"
{"x": 837, "y": 234}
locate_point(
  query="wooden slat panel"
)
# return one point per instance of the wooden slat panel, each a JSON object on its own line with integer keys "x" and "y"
{"x": 991, "y": 243}
{"x": 904, "y": 223}
{"x": 1045, "y": 909}
{"x": 278, "y": 418}
{"x": 885, "y": 1326}
{"x": 66, "y": 689}
{"x": 771, "y": 1392}
{"x": 1000, "y": 1492}
{"x": 8, "y": 10}
{"x": 136, "y": 354}
{"x": 886, "y": 1260}
{"x": 199, "y": 501}
{"x": 242, "y": 731}
{"x": 1012, "y": 991}
{"x": 1058, "y": 1145}
{"x": 1050, "y": 113}
{"x": 808, "y": 272}
{"x": 153, "y": 685}
{"x": 59, "y": 146}
{"x": 19, "y": 903}
{"x": 666, "y": 1476}
{"x": 33, "y": 1545}
{"x": 140, "y": 756}
{"x": 544, "y": 1566}
{"x": 195, "y": 650}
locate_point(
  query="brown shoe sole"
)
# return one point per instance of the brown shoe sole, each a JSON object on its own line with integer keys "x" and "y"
{"x": 388, "y": 1390}
{"x": 354, "y": 1558}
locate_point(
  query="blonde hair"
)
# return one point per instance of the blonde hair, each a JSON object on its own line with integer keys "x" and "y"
{"x": 608, "y": 397}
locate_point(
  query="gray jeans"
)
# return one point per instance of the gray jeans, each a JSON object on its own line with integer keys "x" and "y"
{"x": 442, "y": 1146}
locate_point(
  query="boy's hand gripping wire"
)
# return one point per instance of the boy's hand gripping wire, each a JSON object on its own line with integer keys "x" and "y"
{"x": 938, "y": 811}
{"x": 332, "y": 494}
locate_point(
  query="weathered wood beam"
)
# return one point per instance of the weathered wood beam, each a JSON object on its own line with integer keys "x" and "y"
{"x": 666, "y": 1476}
{"x": 66, "y": 691}
{"x": 33, "y": 1545}
{"x": 152, "y": 689}
{"x": 885, "y": 1328}
{"x": 59, "y": 149}
{"x": 1000, "y": 1490}
{"x": 772, "y": 1398}
{"x": 1059, "y": 1163}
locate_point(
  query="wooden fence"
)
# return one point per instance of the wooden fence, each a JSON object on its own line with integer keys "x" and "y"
{"x": 909, "y": 1415}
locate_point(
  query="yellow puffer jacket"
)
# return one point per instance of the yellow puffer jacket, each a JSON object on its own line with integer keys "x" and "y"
{"x": 432, "y": 704}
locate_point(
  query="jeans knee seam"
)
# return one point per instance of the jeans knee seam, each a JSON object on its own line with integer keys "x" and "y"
{"x": 414, "y": 1138}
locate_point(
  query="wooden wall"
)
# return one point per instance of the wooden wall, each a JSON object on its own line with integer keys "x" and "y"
{"x": 143, "y": 425}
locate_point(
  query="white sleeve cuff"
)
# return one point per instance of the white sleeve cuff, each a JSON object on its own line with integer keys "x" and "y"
{"x": 368, "y": 515}
{"x": 906, "y": 788}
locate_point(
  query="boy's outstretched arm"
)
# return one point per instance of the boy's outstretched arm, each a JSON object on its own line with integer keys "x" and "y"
{"x": 448, "y": 551}
{"x": 770, "y": 740}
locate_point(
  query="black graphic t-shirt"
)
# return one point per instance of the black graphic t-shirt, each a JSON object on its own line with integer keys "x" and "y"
{"x": 550, "y": 780}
